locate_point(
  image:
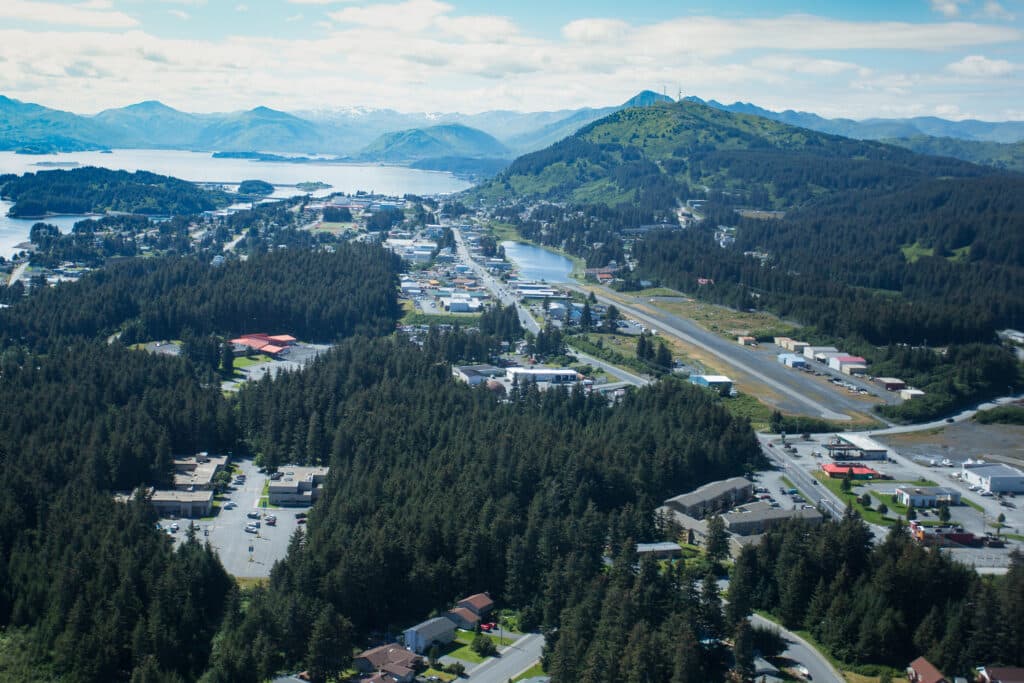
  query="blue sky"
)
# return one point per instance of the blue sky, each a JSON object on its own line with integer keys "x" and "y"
{"x": 950, "y": 58}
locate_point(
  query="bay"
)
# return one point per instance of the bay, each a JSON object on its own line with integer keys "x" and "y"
{"x": 202, "y": 167}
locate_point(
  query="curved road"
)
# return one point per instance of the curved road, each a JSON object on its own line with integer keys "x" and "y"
{"x": 800, "y": 651}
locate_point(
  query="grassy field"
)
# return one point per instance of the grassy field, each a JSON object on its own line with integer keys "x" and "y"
{"x": 335, "y": 228}
{"x": 414, "y": 317}
{"x": 249, "y": 361}
{"x": 251, "y": 582}
{"x": 728, "y": 322}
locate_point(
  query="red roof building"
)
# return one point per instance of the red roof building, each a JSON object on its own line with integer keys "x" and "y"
{"x": 840, "y": 470}
{"x": 923, "y": 671}
{"x": 480, "y": 604}
{"x": 264, "y": 343}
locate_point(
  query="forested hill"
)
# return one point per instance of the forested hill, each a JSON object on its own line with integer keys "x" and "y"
{"x": 437, "y": 491}
{"x": 652, "y": 156}
{"x": 99, "y": 190}
{"x": 315, "y": 296}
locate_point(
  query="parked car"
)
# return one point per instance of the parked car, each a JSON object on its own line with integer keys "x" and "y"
{"x": 175, "y": 527}
{"x": 276, "y": 475}
{"x": 230, "y": 505}
{"x": 250, "y": 529}
{"x": 300, "y": 515}
{"x": 489, "y": 626}
{"x": 252, "y": 515}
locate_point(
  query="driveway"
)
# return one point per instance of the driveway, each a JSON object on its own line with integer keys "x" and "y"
{"x": 800, "y": 651}
{"x": 514, "y": 660}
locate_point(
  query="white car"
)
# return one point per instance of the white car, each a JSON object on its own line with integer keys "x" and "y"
{"x": 230, "y": 506}
{"x": 174, "y": 527}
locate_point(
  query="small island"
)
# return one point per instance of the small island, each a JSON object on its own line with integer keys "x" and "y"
{"x": 255, "y": 187}
{"x": 313, "y": 186}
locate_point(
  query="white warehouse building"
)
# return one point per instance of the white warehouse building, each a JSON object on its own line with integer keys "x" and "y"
{"x": 993, "y": 477}
{"x": 550, "y": 375}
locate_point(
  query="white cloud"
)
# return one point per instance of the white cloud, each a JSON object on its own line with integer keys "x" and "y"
{"x": 948, "y": 8}
{"x": 181, "y": 14}
{"x": 804, "y": 65}
{"x": 293, "y": 18}
{"x": 595, "y": 30}
{"x": 977, "y": 66}
{"x": 994, "y": 10}
{"x": 88, "y": 14}
{"x": 411, "y": 16}
{"x": 241, "y": 8}
{"x": 424, "y": 55}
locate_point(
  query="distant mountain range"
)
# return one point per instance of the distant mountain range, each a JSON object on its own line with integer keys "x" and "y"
{"x": 881, "y": 129}
{"x": 426, "y": 139}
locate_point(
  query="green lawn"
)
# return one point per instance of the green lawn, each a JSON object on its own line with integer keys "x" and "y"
{"x": 532, "y": 672}
{"x": 248, "y": 361}
{"x": 461, "y": 649}
{"x": 440, "y": 674}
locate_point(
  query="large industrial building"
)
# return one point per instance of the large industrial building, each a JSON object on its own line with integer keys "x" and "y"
{"x": 993, "y": 477}
{"x": 717, "y": 382}
{"x": 548, "y": 375}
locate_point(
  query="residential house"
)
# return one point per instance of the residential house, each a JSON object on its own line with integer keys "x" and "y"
{"x": 480, "y": 604}
{"x": 378, "y": 657}
{"x": 1000, "y": 674}
{"x": 923, "y": 671}
{"x": 421, "y": 637}
{"x": 464, "y": 618}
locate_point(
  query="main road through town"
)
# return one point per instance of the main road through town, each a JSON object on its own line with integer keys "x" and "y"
{"x": 502, "y": 293}
{"x": 691, "y": 333}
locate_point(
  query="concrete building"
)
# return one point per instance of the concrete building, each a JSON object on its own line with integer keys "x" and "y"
{"x": 855, "y": 447}
{"x": 548, "y": 375}
{"x": 927, "y": 496}
{"x": 196, "y": 472}
{"x": 791, "y": 345}
{"x": 717, "y": 382}
{"x": 421, "y": 637}
{"x": 297, "y": 486}
{"x": 757, "y": 518}
{"x": 182, "y": 503}
{"x": 992, "y": 477}
{"x": 910, "y": 394}
{"x": 713, "y": 497}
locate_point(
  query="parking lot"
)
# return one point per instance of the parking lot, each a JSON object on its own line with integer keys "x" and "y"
{"x": 226, "y": 531}
{"x": 294, "y": 358}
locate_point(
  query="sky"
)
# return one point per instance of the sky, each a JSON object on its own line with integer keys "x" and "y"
{"x": 871, "y": 58}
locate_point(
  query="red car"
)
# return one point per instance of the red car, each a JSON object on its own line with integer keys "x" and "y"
{"x": 489, "y": 626}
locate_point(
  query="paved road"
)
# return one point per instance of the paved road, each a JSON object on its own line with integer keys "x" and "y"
{"x": 18, "y": 271}
{"x": 800, "y": 651}
{"x": 960, "y": 417}
{"x": 497, "y": 289}
{"x": 692, "y": 333}
{"x": 614, "y": 371}
{"x": 514, "y": 660}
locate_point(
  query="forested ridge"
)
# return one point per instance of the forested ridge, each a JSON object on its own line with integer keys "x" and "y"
{"x": 97, "y": 190}
{"x": 315, "y": 296}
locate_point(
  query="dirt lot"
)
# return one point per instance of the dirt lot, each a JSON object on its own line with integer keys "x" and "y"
{"x": 998, "y": 443}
